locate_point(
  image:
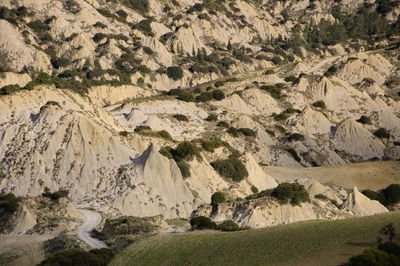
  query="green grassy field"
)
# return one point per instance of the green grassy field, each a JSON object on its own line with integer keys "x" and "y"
{"x": 306, "y": 243}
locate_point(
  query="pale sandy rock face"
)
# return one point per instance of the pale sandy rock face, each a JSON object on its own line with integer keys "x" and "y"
{"x": 10, "y": 78}
{"x": 106, "y": 95}
{"x": 311, "y": 122}
{"x": 257, "y": 176}
{"x": 360, "y": 205}
{"x": 25, "y": 220}
{"x": 16, "y": 54}
{"x": 352, "y": 137}
{"x": 268, "y": 212}
{"x": 356, "y": 71}
{"x": 234, "y": 103}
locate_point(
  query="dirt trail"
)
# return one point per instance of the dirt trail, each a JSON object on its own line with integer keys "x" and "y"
{"x": 91, "y": 220}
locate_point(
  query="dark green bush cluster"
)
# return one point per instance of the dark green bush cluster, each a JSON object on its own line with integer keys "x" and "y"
{"x": 72, "y": 6}
{"x": 213, "y": 143}
{"x": 387, "y": 252}
{"x": 211, "y": 95}
{"x": 100, "y": 36}
{"x": 217, "y": 198}
{"x": 60, "y": 243}
{"x": 254, "y": 189}
{"x": 129, "y": 225}
{"x": 229, "y": 226}
{"x": 387, "y": 196}
{"x": 319, "y": 104}
{"x": 140, "y": 6}
{"x": 382, "y": 133}
{"x": 185, "y": 151}
{"x": 175, "y": 72}
{"x": 181, "y": 117}
{"x": 181, "y": 95}
{"x": 41, "y": 29}
{"x": 9, "y": 204}
{"x": 98, "y": 257}
{"x": 212, "y": 117}
{"x": 142, "y": 128}
{"x": 331, "y": 71}
{"x": 205, "y": 223}
{"x": 273, "y": 90}
{"x": 163, "y": 134}
{"x": 231, "y": 168}
{"x": 13, "y": 15}
{"x": 184, "y": 168}
{"x": 292, "y": 193}
{"x": 55, "y": 196}
{"x": 234, "y": 132}
{"x": 145, "y": 27}
{"x": 9, "y": 89}
{"x": 202, "y": 223}
{"x": 291, "y": 79}
{"x": 296, "y": 137}
{"x": 364, "y": 120}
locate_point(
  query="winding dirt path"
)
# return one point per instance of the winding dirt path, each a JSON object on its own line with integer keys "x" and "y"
{"x": 91, "y": 220}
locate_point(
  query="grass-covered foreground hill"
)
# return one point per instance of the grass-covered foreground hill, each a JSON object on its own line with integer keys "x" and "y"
{"x": 327, "y": 243}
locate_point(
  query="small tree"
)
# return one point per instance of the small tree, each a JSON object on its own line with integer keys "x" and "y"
{"x": 175, "y": 72}
{"x": 202, "y": 223}
{"x": 217, "y": 198}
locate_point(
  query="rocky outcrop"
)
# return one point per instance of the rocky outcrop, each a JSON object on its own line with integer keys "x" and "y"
{"x": 360, "y": 205}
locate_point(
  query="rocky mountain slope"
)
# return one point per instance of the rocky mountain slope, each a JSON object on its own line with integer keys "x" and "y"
{"x": 144, "y": 107}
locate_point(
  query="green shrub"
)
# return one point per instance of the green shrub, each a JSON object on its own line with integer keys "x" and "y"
{"x": 217, "y": 198}
{"x": 202, "y": 223}
{"x": 321, "y": 197}
{"x": 382, "y": 133}
{"x": 392, "y": 194}
{"x": 229, "y": 226}
{"x": 72, "y": 6}
{"x": 295, "y": 137}
{"x": 60, "y": 243}
{"x": 231, "y": 168}
{"x": 9, "y": 89}
{"x": 185, "y": 169}
{"x": 364, "y": 120}
{"x": 98, "y": 257}
{"x": 291, "y": 79}
{"x": 204, "y": 97}
{"x": 100, "y": 25}
{"x": 212, "y": 117}
{"x": 247, "y": 132}
{"x": 390, "y": 248}
{"x": 121, "y": 13}
{"x": 280, "y": 117}
{"x": 212, "y": 144}
{"x": 181, "y": 117}
{"x": 186, "y": 151}
{"x": 186, "y": 97}
{"x": 218, "y": 95}
{"x": 233, "y": 132}
{"x": 290, "y": 193}
{"x": 373, "y": 256}
{"x": 9, "y": 204}
{"x": 223, "y": 124}
{"x": 375, "y": 196}
{"x": 254, "y": 189}
{"x": 147, "y": 50}
{"x": 145, "y": 27}
{"x": 274, "y": 91}
{"x": 55, "y": 196}
{"x": 331, "y": 71}
{"x": 167, "y": 152}
{"x": 175, "y": 72}
{"x": 319, "y": 104}
{"x": 142, "y": 128}
{"x": 140, "y": 6}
